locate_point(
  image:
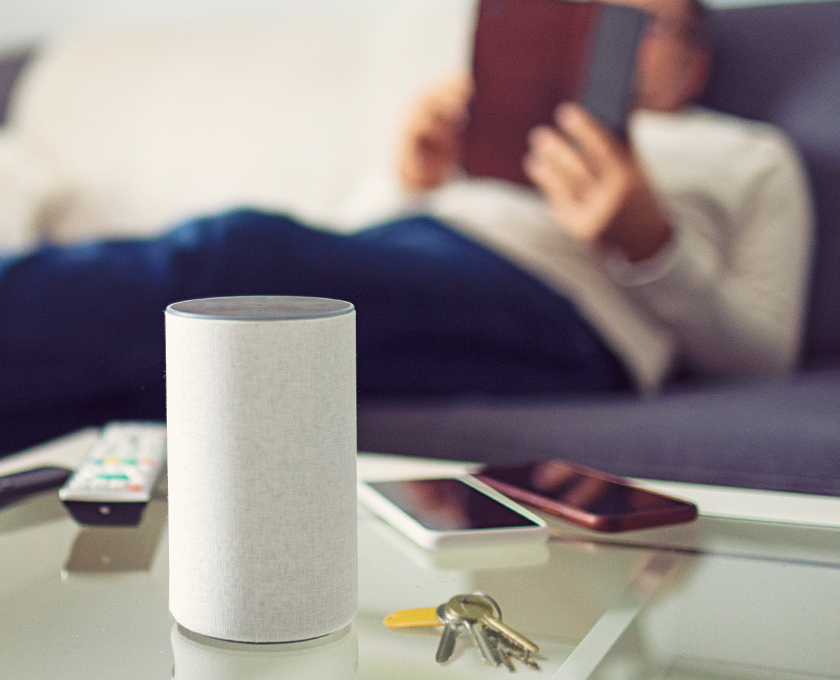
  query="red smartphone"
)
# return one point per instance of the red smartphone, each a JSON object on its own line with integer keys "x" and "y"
{"x": 586, "y": 497}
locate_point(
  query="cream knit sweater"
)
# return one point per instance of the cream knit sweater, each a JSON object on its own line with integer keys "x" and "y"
{"x": 725, "y": 298}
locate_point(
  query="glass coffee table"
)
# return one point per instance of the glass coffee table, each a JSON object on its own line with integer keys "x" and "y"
{"x": 722, "y": 597}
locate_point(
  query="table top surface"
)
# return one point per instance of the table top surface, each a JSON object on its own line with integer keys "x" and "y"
{"x": 722, "y": 597}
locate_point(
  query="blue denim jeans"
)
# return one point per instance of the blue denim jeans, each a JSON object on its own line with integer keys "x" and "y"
{"x": 82, "y": 326}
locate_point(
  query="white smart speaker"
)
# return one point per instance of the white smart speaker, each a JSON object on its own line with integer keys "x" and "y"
{"x": 261, "y": 436}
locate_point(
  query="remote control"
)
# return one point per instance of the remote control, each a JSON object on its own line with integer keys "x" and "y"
{"x": 116, "y": 481}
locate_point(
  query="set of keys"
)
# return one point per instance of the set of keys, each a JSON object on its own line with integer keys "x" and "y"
{"x": 497, "y": 643}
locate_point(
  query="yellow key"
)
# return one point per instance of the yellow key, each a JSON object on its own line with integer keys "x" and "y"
{"x": 413, "y": 618}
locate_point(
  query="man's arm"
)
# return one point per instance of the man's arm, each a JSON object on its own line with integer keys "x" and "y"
{"x": 734, "y": 282}
{"x": 731, "y": 282}
{"x": 432, "y": 140}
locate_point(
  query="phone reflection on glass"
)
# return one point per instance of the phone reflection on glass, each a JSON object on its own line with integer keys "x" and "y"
{"x": 586, "y": 497}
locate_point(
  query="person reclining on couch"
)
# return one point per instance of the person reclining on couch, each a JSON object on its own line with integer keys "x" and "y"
{"x": 686, "y": 249}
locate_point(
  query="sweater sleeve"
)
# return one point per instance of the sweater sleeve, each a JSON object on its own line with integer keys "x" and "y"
{"x": 732, "y": 283}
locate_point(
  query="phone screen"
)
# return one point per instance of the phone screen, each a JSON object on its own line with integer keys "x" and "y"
{"x": 585, "y": 496}
{"x": 449, "y": 505}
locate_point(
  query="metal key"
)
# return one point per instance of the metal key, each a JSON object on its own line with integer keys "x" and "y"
{"x": 472, "y": 613}
{"x": 485, "y": 598}
{"x": 507, "y": 647}
{"x": 523, "y": 656}
{"x": 506, "y": 655}
{"x": 493, "y": 621}
{"x": 452, "y": 625}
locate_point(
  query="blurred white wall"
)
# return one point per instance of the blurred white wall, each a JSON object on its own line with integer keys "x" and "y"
{"x": 23, "y": 22}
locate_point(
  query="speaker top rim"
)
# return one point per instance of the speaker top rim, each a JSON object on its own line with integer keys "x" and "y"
{"x": 260, "y": 308}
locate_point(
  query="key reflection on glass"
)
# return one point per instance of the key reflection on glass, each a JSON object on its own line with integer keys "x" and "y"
{"x": 332, "y": 657}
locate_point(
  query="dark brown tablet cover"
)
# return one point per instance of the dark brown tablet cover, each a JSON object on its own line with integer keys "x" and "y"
{"x": 531, "y": 55}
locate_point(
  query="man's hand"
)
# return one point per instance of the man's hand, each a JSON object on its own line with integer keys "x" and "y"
{"x": 595, "y": 188}
{"x": 432, "y": 142}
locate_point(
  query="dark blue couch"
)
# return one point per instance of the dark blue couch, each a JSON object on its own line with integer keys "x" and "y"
{"x": 779, "y": 64}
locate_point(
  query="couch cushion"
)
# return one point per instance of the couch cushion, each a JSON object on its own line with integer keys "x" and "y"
{"x": 779, "y": 434}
